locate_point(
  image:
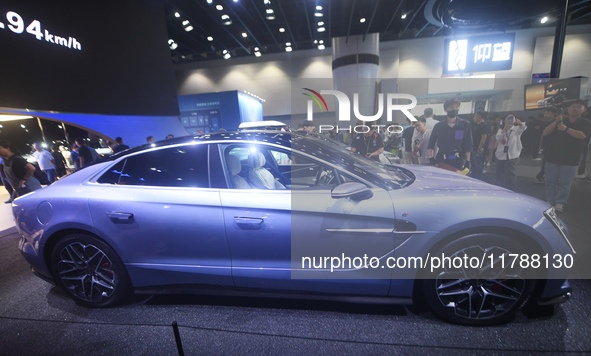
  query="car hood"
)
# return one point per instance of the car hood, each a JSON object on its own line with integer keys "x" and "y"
{"x": 433, "y": 178}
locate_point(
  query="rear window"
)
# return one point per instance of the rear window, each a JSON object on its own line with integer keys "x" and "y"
{"x": 184, "y": 166}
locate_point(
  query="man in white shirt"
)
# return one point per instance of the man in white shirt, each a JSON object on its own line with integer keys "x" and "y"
{"x": 430, "y": 122}
{"x": 46, "y": 161}
{"x": 421, "y": 141}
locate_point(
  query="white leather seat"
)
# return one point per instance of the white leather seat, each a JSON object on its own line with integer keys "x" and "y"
{"x": 259, "y": 176}
{"x": 235, "y": 167}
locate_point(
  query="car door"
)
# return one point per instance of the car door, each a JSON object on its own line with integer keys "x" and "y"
{"x": 270, "y": 231}
{"x": 163, "y": 217}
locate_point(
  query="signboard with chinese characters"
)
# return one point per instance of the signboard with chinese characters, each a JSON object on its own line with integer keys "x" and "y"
{"x": 479, "y": 54}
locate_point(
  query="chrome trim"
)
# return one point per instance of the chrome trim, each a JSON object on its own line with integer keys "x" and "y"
{"x": 550, "y": 214}
{"x": 375, "y": 231}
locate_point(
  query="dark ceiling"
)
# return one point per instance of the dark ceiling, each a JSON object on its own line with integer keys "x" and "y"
{"x": 260, "y": 27}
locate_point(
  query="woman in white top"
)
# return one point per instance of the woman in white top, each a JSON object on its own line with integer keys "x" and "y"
{"x": 508, "y": 151}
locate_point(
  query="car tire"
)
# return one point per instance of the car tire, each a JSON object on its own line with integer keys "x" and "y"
{"x": 90, "y": 271}
{"x": 478, "y": 296}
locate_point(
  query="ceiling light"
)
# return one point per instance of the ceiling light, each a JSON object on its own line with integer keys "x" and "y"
{"x": 319, "y": 8}
{"x": 321, "y": 42}
{"x": 189, "y": 28}
{"x": 318, "y": 14}
{"x": 235, "y": 0}
{"x": 321, "y": 29}
{"x": 288, "y": 44}
{"x": 227, "y": 56}
{"x": 186, "y": 22}
{"x": 219, "y": 7}
{"x": 225, "y": 17}
{"x": 225, "y": 51}
{"x": 270, "y": 17}
{"x": 362, "y": 20}
{"x": 403, "y": 16}
{"x": 321, "y": 23}
{"x": 321, "y": 47}
{"x": 209, "y": 38}
{"x": 315, "y": 41}
{"x": 544, "y": 19}
{"x": 209, "y": 1}
{"x": 244, "y": 34}
{"x": 267, "y": 2}
{"x": 227, "y": 22}
{"x": 288, "y": 49}
{"x": 176, "y": 14}
{"x": 281, "y": 29}
{"x": 257, "y": 54}
{"x": 270, "y": 11}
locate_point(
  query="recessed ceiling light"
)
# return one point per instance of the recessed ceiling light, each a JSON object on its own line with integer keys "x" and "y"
{"x": 281, "y": 29}
{"x": 321, "y": 41}
{"x": 176, "y": 14}
{"x": 318, "y": 14}
{"x": 209, "y": 38}
{"x": 403, "y": 16}
{"x": 186, "y": 22}
{"x": 267, "y": 2}
{"x": 244, "y": 34}
{"x": 189, "y": 28}
{"x": 225, "y": 17}
{"x": 270, "y": 17}
{"x": 288, "y": 44}
{"x": 209, "y": 1}
{"x": 219, "y": 7}
{"x": 319, "y": 8}
{"x": 227, "y": 56}
{"x": 321, "y": 47}
{"x": 227, "y": 23}
{"x": 270, "y": 11}
{"x": 288, "y": 49}
{"x": 321, "y": 29}
{"x": 315, "y": 41}
{"x": 544, "y": 19}
{"x": 362, "y": 20}
{"x": 321, "y": 23}
{"x": 257, "y": 54}
{"x": 256, "y": 49}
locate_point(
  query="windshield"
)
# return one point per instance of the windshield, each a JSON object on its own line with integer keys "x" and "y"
{"x": 384, "y": 176}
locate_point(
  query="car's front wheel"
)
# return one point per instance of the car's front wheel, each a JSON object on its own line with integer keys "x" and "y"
{"x": 90, "y": 271}
{"x": 476, "y": 286}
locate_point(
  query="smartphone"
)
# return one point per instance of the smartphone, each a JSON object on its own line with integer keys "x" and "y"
{"x": 511, "y": 119}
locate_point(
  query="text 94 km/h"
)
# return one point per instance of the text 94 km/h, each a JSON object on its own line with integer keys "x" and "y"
{"x": 16, "y": 24}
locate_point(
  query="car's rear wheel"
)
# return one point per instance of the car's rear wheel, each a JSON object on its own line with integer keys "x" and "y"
{"x": 90, "y": 271}
{"x": 481, "y": 288}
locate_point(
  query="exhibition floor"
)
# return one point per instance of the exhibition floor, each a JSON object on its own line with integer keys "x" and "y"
{"x": 38, "y": 318}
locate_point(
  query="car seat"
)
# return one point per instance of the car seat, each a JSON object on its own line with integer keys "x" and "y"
{"x": 235, "y": 167}
{"x": 259, "y": 176}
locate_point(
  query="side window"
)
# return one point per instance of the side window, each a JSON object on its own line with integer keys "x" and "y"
{"x": 254, "y": 166}
{"x": 307, "y": 173}
{"x": 184, "y": 166}
{"x": 113, "y": 175}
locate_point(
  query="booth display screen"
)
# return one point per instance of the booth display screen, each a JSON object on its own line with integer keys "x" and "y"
{"x": 478, "y": 54}
{"x": 105, "y": 57}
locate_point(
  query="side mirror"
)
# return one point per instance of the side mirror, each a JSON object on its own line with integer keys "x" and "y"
{"x": 352, "y": 190}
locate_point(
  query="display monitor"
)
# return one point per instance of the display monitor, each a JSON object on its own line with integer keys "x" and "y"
{"x": 99, "y": 57}
{"x": 555, "y": 92}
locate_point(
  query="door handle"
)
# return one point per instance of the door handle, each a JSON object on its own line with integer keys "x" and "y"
{"x": 120, "y": 216}
{"x": 248, "y": 223}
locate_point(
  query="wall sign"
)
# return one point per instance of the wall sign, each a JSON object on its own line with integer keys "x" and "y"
{"x": 479, "y": 54}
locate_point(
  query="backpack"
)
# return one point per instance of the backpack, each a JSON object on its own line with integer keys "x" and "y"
{"x": 40, "y": 175}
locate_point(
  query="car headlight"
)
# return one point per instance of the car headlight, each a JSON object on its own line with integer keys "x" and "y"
{"x": 550, "y": 214}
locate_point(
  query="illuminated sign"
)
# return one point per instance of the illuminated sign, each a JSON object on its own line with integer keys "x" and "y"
{"x": 16, "y": 24}
{"x": 479, "y": 54}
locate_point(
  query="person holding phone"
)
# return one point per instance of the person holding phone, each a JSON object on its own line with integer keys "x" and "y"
{"x": 508, "y": 150}
{"x": 564, "y": 139}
